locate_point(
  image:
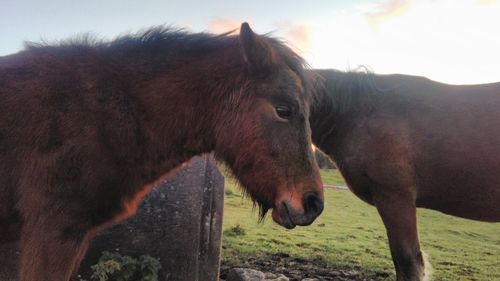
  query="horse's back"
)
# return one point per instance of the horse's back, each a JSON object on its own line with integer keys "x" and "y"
{"x": 46, "y": 95}
{"x": 453, "y": 137}
{"x": 9, "y": 221}
{"x": 44, "y": 117}
{"x": 15, "y": 111}
{"x": 23, "y": 111}
{"x": 13, "y": 60}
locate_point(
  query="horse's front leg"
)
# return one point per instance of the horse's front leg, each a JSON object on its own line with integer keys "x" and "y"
{"x": 398, "y": 213}
{"x": 50, "y": 249}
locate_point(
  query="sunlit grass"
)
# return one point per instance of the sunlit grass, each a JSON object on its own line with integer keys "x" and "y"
{"x": 350, "y": 235}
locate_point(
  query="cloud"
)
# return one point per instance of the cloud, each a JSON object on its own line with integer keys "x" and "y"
{"x": 297, "y": 35}
{"x": 221, "y": 25}
{"x": 387, "y": 10}
{"x": 446, "y": 40}
{"x": 486, "y": 2}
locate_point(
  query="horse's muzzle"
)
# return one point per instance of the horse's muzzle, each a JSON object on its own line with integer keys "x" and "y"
{"x": 288, "y": 216}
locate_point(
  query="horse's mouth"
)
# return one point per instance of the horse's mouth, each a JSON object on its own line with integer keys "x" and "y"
{"x": 282, "y": 216}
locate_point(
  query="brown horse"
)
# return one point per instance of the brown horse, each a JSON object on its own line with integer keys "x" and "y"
{"x": 403, "y": 142}
{"x": 87, "y": 127}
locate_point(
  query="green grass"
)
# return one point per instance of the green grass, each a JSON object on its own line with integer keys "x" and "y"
{"x": 332, "y": 177}
{"x": 350, "y": 235}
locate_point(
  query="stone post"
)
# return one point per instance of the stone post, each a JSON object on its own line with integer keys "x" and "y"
{"x": 179, "y": 222}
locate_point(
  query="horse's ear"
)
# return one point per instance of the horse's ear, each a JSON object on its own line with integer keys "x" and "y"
{"x": 258, "y": 54}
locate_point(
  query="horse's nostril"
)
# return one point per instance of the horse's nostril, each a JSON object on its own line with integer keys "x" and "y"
{"x": 313, "y": 205}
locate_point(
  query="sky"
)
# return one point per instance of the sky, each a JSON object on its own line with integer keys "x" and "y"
{"x": 452, "y": 41}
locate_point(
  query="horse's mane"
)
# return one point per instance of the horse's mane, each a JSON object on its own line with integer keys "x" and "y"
{"x": 335, "y": 93}
{"x": 345, "y": 91}
{"x": 151, "y": 38}
{"x": 164, "y": 40}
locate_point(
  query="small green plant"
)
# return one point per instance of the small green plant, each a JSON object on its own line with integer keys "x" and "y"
{"x": 235, "y": 231}
{"x": 115, "y": 267}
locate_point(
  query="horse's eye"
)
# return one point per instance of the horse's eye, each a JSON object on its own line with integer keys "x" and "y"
{"x": 284, "y": 111}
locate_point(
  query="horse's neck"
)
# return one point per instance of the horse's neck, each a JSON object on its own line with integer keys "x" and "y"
{"x": 168, "y": 108}
{"x": 178, "y": 124}
{"x": 327, "y": 128}
{"x": 179, "y": 104}
{"x": 339, "y": 103}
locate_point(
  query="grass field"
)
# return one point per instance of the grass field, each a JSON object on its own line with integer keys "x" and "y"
{"x": 350, "y": 235}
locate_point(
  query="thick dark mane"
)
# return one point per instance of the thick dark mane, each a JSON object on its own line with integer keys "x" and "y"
{"x": 164, "y": 41}
{"x": 292, "y": 59}
{"x": 340, "y": 92}
{"x": 334, "y": 94}
{"x": 157, "y": 40}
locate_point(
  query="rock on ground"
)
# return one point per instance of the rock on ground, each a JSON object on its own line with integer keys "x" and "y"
{"x": 248, "y": 274}
{"x": 296, "y": 269}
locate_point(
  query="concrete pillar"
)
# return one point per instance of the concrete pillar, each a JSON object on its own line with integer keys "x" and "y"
{"x": 179, "y": 222}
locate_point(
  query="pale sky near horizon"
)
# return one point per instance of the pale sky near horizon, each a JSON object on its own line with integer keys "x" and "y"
{"x": 453, "y": 41}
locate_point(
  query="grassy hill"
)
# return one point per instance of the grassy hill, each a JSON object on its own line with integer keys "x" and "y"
{"x": 350, "y": 235}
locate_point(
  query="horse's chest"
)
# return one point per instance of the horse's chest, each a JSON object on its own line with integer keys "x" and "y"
{"x": 358, "y": 184}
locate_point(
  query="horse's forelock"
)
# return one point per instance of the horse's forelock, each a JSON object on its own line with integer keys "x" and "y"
{"x": 293, "y": 60}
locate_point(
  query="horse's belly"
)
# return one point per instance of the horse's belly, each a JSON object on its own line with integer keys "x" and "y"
{"x": 477, "y": 203}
